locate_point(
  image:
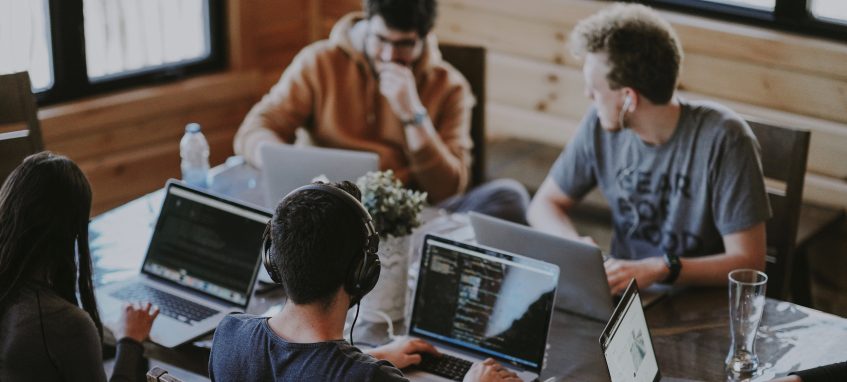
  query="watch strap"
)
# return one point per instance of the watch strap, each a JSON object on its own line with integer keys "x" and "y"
{"x": 674, "y": 266}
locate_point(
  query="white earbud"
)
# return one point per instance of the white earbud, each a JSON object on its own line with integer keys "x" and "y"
{"x": 626, "y": 104}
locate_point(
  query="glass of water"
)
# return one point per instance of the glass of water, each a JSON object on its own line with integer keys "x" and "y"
{"x": 746, "y": 304}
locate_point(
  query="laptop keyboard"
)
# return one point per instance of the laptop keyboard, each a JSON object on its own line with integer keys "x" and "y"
{"x": 169, "y": 305}
{"x": 445, "y": 366}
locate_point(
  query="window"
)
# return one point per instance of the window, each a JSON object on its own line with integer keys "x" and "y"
{"x": 824, "y": 18}
{"x": 830, "y": 10}
{"x": 76, "y": 48}
{"x": 767, "y": 5}
{"x": 25, "y": 41}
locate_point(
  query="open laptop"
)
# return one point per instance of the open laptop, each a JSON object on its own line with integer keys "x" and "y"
{"x": 286, "y": 167}
{"x": 626, "y": 342}
{"x": 583, "y": 288}
{"x": 201, "y": 264}
{"x": 474, "y": 302}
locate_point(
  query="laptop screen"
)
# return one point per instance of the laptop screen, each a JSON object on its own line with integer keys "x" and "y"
{"x": 626, "y": 342}
{"x": 207, "y": 243}
{"x": 485, "y": 301}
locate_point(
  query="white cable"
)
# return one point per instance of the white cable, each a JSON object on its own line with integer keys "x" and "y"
{"x": 388, "y": 321}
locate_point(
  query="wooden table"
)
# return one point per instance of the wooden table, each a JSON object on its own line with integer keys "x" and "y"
{"x": 689, "y": 327}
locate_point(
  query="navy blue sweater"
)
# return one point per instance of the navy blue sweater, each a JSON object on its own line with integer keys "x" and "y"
{"x": 246, "y": 349}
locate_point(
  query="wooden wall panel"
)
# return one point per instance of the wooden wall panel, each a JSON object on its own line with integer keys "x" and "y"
{"x": 791, "y": 80}
{"x": 128, "y": 143}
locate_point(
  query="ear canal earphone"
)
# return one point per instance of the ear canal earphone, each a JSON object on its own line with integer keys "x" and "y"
{"x": 627, "y": 102}
{"x": 363, "y": 273}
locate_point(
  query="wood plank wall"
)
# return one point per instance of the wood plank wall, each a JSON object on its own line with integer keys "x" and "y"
{"x": 535, "y": 87}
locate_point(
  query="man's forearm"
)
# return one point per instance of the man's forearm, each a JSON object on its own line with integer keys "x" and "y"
{"x": 713, "y": 269}
{"x": 248, "y": 140}
{"x": 744, "y": 249}
{"x": 549, "y": 218}
{"x": 437, "y": 169}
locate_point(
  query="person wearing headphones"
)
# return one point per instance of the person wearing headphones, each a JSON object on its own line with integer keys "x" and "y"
{"x": 683, "y": 178}
{"x": 49, "y": 326}
{"x": 321, "y": 246}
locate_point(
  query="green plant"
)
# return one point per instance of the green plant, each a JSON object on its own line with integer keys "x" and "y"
{"x": 394, "y": 209}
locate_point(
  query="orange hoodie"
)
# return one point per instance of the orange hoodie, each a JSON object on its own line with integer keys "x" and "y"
{"x": 330, "y": 90}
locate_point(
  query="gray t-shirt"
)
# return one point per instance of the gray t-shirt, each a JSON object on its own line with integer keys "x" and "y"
{"x": 680, "y": 197}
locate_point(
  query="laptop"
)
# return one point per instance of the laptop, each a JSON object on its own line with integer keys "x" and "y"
{"x": 201, "y": 265}
{"x": 286, "y": 167}
{"x": 626, "y": 342}
{"x": 473, "y": 302}
{"x": 583, "y": 288}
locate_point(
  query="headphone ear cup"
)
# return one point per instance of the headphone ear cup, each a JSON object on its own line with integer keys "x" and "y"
{"x": 270, "y": 266}
{"x": 365, "y": 274}
{"x": 370, "y": 273}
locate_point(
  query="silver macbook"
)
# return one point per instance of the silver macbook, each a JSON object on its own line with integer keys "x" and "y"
{"x": 583, "y": 288}
{"x": 201, "y": 264}
{"x": 474, "y": 302}
{"x": 286, "y": 167}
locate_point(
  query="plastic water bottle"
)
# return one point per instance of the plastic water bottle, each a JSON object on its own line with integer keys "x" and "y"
{"x": 194, "y": 151}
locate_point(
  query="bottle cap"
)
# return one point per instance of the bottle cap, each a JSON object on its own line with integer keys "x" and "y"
{"x": 192, "y": 128}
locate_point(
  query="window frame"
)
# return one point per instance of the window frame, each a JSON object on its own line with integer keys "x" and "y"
{"x": 788, "y": 15}
{"x": 70, "y": 73}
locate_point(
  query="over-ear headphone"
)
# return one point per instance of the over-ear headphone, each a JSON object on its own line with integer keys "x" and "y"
{"x": 363, "y": 272}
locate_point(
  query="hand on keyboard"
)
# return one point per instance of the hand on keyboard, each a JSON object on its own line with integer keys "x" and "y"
{"x": 136, "y": 321}
{"x": 490, "y": 371}
{"x": 403, "y": 352}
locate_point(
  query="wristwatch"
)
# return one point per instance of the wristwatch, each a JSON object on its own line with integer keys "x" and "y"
{"x": 674, "y": 265}
{"x": 417, "y": 119}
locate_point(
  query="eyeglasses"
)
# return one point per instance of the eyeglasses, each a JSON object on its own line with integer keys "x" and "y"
{"x": 402, "y": 46}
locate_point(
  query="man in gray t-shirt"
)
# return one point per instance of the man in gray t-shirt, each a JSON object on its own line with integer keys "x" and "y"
{"x": 683, "y": 179}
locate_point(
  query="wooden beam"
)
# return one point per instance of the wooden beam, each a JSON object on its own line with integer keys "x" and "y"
{"x": 88, "y": 116}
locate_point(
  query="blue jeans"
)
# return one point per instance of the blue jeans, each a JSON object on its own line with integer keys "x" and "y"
{"x": 502, "y": 198}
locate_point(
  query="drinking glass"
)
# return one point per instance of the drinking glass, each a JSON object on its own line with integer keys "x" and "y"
{"x": 746, "y": 304}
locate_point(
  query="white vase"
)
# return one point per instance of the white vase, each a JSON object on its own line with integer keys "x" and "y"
{"x": 389, "y": 295}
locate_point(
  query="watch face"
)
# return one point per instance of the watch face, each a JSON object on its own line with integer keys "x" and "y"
{"x": 420, "y": 117}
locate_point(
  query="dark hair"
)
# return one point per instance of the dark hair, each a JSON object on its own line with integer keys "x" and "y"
{"x": 315, "y": 238}
{"x": 44, "y": 208}
{"x": 405, "y": 15}
{"x": 644, "y": 51}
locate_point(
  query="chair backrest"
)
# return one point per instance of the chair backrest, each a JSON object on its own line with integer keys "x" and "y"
{"x": 20, "y": 134}
{"x": 157, "y": 374}
{"x": 470, "y": 61}
{"x": 784, "y": 155}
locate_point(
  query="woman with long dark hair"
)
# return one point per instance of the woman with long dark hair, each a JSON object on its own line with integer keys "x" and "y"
{"x": 49, "y": 326}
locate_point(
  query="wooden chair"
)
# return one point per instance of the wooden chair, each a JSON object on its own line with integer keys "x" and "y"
{"x": 157, "y": 374}
{"x": 20, "y": 134}
{"x": 784, "y": 155}
{"x": 470, "y": 61}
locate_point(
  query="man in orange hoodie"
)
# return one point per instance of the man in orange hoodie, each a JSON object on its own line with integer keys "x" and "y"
{"x": 379, "y": 84}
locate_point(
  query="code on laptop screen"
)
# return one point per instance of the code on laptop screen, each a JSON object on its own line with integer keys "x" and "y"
{"x": 484, "y": 301}
{"x": 206, "y": 244}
